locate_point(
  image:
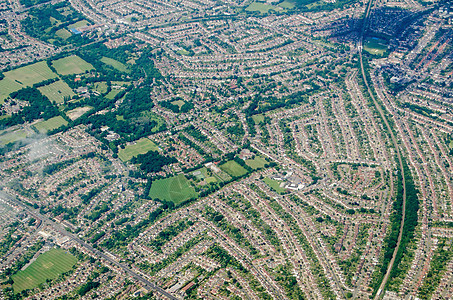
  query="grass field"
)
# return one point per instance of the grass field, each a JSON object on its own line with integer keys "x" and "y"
{"x": 71, "y": 65}
{"x": 115, "y": 64}
{"x": 142, "y": 146}
{"x": 287, "y": 5}
{"x": 63, "y": 33}
{"x": 22, "y": 77}
{"x": 51, "y": 124}
{"x": 375, "y": 45}
{"x": 47, "y": 266}
{"x": 176, "y": 189}
{"x": 12, "y": 137}
{"x": 112, "y": 94}
{"x": 100, "y": 87}
{"x": 79, "y": 24}
{"x": 57, "y": 91}
{"x": 180, "y": 103}
{"x": 262, "y": 7}
{"x": 153, "y": 116}
{"x": 78, "y": 112}
{"x": 256, "y": 163}
{"x": 233, "y": 168}
{"x": 274, "y": 184}
{"x": 258, "y": 118}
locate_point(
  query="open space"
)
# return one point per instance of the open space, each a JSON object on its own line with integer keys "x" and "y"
{"x": 141, "y": 146}
{"x": 176, "y": 189}
{"x": 57, "y": 91}
{"x": 263, "y": 7}
{"x": 22, "y": 77}
{"x": 375, "y": 45}
{"x": 233, "y": 168}
{"x": 115, "y": 64}
{"x": 12, "y": 136}
{"x": 78, "y": 112}
{"x": 274, "y": 184}
{"x": 47, "y": 266}
{"x": 71, "y": 65}
{"x": 256, "y": 163}
{"x": 51, "y": 124}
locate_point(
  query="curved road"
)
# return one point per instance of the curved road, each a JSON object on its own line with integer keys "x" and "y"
{"x": 395, "y": 145}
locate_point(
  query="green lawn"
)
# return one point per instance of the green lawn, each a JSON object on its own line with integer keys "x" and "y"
{"x": 258, "y": 118}
{"x": 71, "y": 65}
{"x": 11, "y": 137}
{"x": 115, "y": 64}
{"x": 100, "y": 87}
{"x": 22, "y": 77}
{"x": 79, "y": 24}
{"x": 51, "y": 124}
{"x": 233, "y": 168}
{"x": 256, "y": 163}
{"x": 274, "y": 184}
{"x": 262, "y": 7}
{"x": 57, "y": 91}
{"x": 180, "y": 103}
{"x": 176, "y": 189}
{"x": 63, "y": 33}
{"x": 142, "y": 146}
{"x": 47, "y": 266}
{"x": 287, "y": 5}
{"x": 112, "y": 94}
{"x": 375, "y": 45}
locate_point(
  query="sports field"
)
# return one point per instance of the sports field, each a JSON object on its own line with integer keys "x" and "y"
{"x": 176, "y": 189}
{"x": 233, "y": 168}
{"x": 375, "y": 45}
{"x": 274, "y": 184}
{"x": 57, "y": 91}
{"x": 142, "y": 146}
{"x": 11, "y": 137}
{"x": 51, "y": 124}
{"x": 22, "y": 77}
{"x": 71, "y": 65}
{"x": 115, "y": 64}
{"x": 63, "y": 33}
{"x": 47, "y": 266}
{"x": 256, "y": 163}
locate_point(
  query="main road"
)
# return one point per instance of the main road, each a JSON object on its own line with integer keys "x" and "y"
{"x": 98, "y": 254}
{"x": 395, "y": 145}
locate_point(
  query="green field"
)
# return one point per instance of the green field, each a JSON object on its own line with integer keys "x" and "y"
{"x": 22, "y": 77}
{"x": 142, "y": 146}
{"x": 115, "y": 64}
{"x": 82, "y": 23}
{"x": 63, "y": 33}
{"x": 57, "y": 91}
{"x": 274, "y": 184}
{"x": 287, "y": 5}
{"x": 375, "y": 45}
{"x": 256, "y": 163}
{"x": 51, "y": 124}
{"x": 71, "y": 65}
{"x": 180, "y": 103}
{"x": 112, "y": 94}
{"x": 47, "y": 266}
{"x": 258, "y": 118}
{"x": 100, "y": 87}
{"x": 12, "y": 137}
{"x": 262, "y": 7}
{"x": 176, "y": 189}
{"x": 233, "y": 168}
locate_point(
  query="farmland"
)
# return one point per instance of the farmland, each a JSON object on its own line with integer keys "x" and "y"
{"x": 71, "y": 65}
{"x": 47, "y": 266}
{"x": 142, "y": 146}
{"x": 176, "y": 189}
